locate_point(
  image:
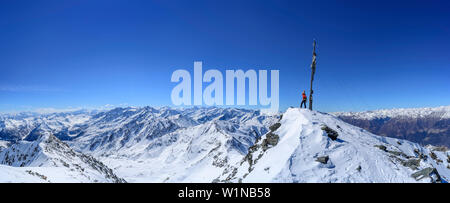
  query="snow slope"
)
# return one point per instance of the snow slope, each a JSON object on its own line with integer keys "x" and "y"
{"x": 171, "y": 145}
{"x": 51, "y": 160}
{"x": 145, "y": 144}
{"x": 10, "y": 174}
{"x": 3, "y": 144}
{"x": 290, "y": 154}
{"x": 207, "y": 145}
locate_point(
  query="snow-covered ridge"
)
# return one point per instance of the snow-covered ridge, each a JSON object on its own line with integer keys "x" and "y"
{"x": 145, "y": 144}
{"x": 52, "y": 160}
{"x": 303, "y": 148}
{"x": 14, "y": 127}
{"x": 171, "y": 145}
{"x": 442, "y": 112}
{"x": 421, "y": 125}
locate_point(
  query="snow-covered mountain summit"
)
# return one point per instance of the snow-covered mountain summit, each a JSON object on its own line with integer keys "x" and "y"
{"x": 146, "y": 144}
{"x": 421, "y": 125}
{"x": 52, "y": 160}
{"x": 165, "y": 144}
{"x": 122, "y": 128}
{"x": 303, "y": 147}
{"x": 442, "y": 112}
{"x": 28, "y": 125}
{"x": 171, "y": 145}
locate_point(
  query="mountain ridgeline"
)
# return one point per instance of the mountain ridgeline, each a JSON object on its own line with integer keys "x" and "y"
{"x": 309, "y": 146}
{"x": 421, "y": 125}
{"x": 164, "y": 144}
{"x": 149, "y": 144}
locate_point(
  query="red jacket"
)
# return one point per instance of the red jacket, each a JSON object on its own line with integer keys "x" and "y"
{"x": 304, "y": 96}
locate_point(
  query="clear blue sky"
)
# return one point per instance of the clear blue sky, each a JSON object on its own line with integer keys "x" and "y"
{"x": 371, "y": 54}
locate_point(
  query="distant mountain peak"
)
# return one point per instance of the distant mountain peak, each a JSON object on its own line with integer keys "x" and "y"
{"x": 164, "y": 144}
{"x": 421, "y": 125}
{"x": 440, "y": 112}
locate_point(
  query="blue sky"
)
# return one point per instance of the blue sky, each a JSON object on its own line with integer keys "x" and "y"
{"x": 371, "y": 54}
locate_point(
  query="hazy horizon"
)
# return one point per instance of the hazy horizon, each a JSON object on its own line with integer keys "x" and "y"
{"x": 50, "y": 110}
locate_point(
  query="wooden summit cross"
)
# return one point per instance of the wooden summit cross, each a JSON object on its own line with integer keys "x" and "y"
{"x": 313, "y": 70}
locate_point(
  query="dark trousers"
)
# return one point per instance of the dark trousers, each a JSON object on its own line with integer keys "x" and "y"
{"x": 303, "y": 102}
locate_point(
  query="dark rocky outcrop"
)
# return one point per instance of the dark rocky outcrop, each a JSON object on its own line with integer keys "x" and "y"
{"x": 322, "y": 159}
{"x": 271, "y": 140}
{"x": 275, "y": 127}
{"x": 37, "y": 174}
{"x": 332, "y": 134}
{"x": 405, "y": 160}
{"x": 382, "y": 147}
{"x": 427, "y": 172}
{"x": 268, "y": 142}
{"x": 411, "y": 163}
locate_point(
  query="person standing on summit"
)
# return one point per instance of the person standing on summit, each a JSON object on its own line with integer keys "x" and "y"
{"x": 303, "y": 99}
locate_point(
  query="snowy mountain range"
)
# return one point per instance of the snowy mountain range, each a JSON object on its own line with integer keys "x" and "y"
{"x": 50, "y": 160}
{"x": 148, "y": 144}
{"x": 421, "y": 125}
